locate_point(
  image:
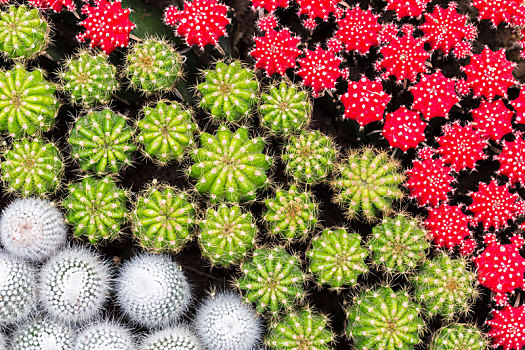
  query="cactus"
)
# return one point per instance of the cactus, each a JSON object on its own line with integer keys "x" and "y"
{"x": 32, "y": 167}
{"x": 74, "y": 285}
{"x": 96, "y": 208}
{"x": 291, "y": 214}
{"x": 2, "y": 342}
{"x": 230, "y": 166}
{"x": 229, "y": 91}
{"x": 43, "y": 334}
{"x": 102, "y": 142}
{"x": 89, "y": 79}
{"x": 24, "y": 32}
{"x": 303, "y": 329}
{"x": 153, "y": 65}
{"x": 384, "y": 319}
{"x": 459, "y": 336}
{"x": 28, "y": 105}
{"x": 104, "y": 335}
{"x": 163, "y": 218}
{"x": 173, "y": 338}
{"x": 337, "y": 258}
{"x": 32, "y": 229}
{"x": 272, "y": 279}
{"x": 227, "y": 234}
{"x": 152, "y": 291}
{"x": 309, "y": 157}
{"x": 224, "y": 322}
{"x": 367, "y": 183}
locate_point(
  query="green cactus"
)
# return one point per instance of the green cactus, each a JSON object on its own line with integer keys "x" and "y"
{"x": 303, "y": 329}
{"x": 96, "y": 208}
{"x": 285, "y": 109}
{"x": 368, "y": 182}
{"x": 229, "y": 91}
{"x": 102, "y": 142}
{"x": 24, "y": 33}
{"x": 459, "y": 336}
{"x": 272, "y": 279}
{"x": 337, "y": 258}
{"x": 166, "y": 131}
{"x": 163, "y": 218}
{"x": 229, "y": 165}
{"x": 32, "y": 167}
{"x": 384, "y": 319}
{"x": 28, "y": 105}
{"x": 309, "y": 157}
{"x": 89, "y": 79}
{"x": 398, "y": 244}
{"x": 227, "y": 234}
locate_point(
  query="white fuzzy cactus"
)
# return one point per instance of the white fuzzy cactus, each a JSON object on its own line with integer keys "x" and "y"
{"x": 173, "y": 338}
{"x": 43, "y": 334}
{"x": 224, "y": 322}
{"x": 2, "y": 342}
{"x": 31, "y": 228}
{"x": 152, "y": 290}
{"x": 104, "y": 336}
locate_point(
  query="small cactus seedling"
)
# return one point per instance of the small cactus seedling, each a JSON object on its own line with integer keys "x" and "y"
{"x": 153, "y": 65}
{"x": 303, "y": 329}
{"x": 337, "y": 258}
{"x": 172, "y": 338}
{"x": 309, "y": 157}
{"x": 459, "y": 336}
{"x": 507, "y": 328}
{"x": 24, "y": 32}
{"x": 229, "y": 91}
{"x": 230, "y": 166}
{"x": 43, "y": 334}
{"x": 223, "y": 321}
{"x": 102, "y": 142}
{"x": 384, "y": 319}
{"x": 96, "y": 208}
{"x": 162, "y": 219}
{"x": 104, "y": 335}
{"x": 227, "y": 234}
{"x": 32, "y": 167}
{"x": 272, "y": 279}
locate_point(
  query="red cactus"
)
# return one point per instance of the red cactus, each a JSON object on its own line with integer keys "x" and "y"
{"x": 496, "y": 11}
{"x": 404, "y": 8}
{"x": 447, "y": 226}
{"x": 276, "y": 51}
{"x": 507, "y": 328}
{"x": 316, "y": 9}
{"x": 270, "y": 5}
{"x": 434, "y": 95}
{"x": 358, "y": 30}
{"x": 512, "y": 160}
{"x": 404, "y": 129}
{"x": 55, "y": 5}
{"x": 493, "y": 119}
{"x": 266, "y": 23}
{"x": 388, "y": 32}
{"x": 519, "y": 105}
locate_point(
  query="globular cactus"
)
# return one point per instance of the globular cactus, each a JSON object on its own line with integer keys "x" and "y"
{"x": 102, "y": 142}
{"x": 367, "y": 183}
{"x": 153, "y": 65}
{"x": 32, "y": 167}
{"x": 172, "y": 338}
{"x": 229, "y": 91}
{"x": 166, "y": 131}
{"x": 459, "y": 336}
{"x": 96, "y": 208}
{"x": 163, "y": 218}
{"x": 272, "y": 279}
{"x": 104, "y": 335}
{"x": 74, "y": 285}
{"x": 309, "y": 157}
{"x": 43, "y": 334}
{"x": 224, "y": 322}
{"x": 337, "y": 258}
{"x": 230, "y": 165}
{"x": 32, "y": 228}
{"x": 227, "y": 234}
{"x": 152, "y": 290}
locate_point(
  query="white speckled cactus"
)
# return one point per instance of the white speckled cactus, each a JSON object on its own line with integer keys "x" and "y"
{"x": 104, "y": 336}
{"x": 172, "y": 338}
{"x": 43, "y": 334}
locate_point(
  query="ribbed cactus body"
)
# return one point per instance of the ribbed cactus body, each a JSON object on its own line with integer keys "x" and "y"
{"x": 43, "y": 334}
{"x": 172, "y": 338}
{"x": 459, "y": 336}
{"x": 106, "y": 336}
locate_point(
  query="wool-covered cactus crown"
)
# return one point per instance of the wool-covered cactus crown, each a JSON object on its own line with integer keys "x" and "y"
{"x": 104, "y": 335}
{"x": 42, "y": 334}
{"x": 172, "y": 338}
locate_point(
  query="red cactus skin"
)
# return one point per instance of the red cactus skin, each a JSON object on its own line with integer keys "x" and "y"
{"x": 276, "y": 51}
{"x": 270, "y": 5}
{"x": 316, "y": 9}
{"x": 266, "y": 23}
{"x": 404, "y": 8}
{"x": 358, "y": 30}
{"x": 507, "y": 328}
{"x": 447, "y": 226}
{"x": 434, "y": 95}
{"x": 497, "y": 11}
{"x": 519, "y": 105}
{"x": 365, "y": 101}
{"x": 388, "y": 33}
{"x": 512, "y": 160}
{"x": 55, "y": 5}
{"x": 201, "y": 23}
{"x": 404, "y": 129}
{"x": 493, "y": 119}
{"x": 468, "y": 246}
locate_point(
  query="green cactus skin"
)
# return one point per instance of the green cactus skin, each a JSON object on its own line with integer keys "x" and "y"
{"x": 309, "y": 157}
{"x": 337, "y": 258}
{"x": 445, "y": 286}
{"x": 101, "y": 142}
{"x": 384, "y": 319}
{"x": 398, "y": 244}
{"x": 229, "y": 91}
{"x": 459, "y": 336}
{"x": 291, "y": 214}
{"x": 227, "y": 234}
{"x": 96, "y": 208}
{"x": 23, "y": 32}
{"x": 272, "y": 279}
{"x": 166, "y": 131}
{"x": 32, "y": 167}
{"x": 285, "y": 109}
{"x": 153, "y": 65}
{"x": 367, "y": 183}
{"x": 303, "y": 329}
{"x": 28, "y": 105}
{"x": 163, "y": 219}
{"x": 230, "y": 166}
{"x": 89, "y": 79}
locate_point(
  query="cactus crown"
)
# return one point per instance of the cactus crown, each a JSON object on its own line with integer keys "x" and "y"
{"x": 42, "y": 334}
{"x": 104, "y": 335}
{"x": 172, "y": 338}
{"x": 459, "y": 336}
